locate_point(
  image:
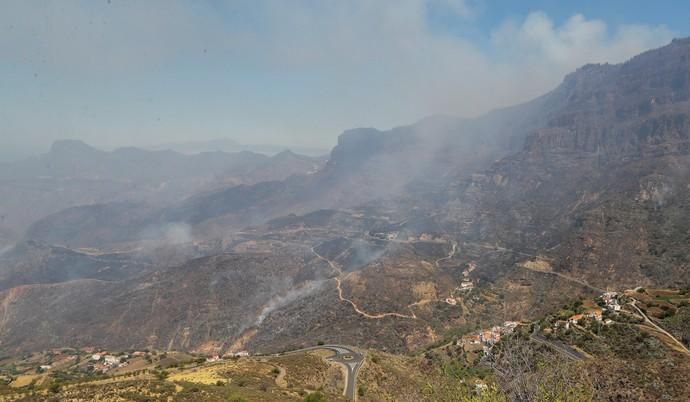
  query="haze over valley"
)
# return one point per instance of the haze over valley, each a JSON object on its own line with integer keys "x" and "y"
{"x": 512, "y": 237}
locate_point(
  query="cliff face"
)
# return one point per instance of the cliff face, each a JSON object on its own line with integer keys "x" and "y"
{"x": 603, "y": 186}
{"x": 639, "y": 106}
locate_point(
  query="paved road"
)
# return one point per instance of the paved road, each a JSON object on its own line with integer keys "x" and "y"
{"x": 658, "y": 328}
{"x": 347, "y": 357}
{"x": 566, "y": 277}
{"x": 565, "y": 350}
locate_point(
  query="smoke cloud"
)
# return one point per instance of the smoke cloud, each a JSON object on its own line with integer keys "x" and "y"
{"x": 283, "y": 300}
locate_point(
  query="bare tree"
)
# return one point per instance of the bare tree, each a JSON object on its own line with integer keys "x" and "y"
{"x": 529, "y": 372}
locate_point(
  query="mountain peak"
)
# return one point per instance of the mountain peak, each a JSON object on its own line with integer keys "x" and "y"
{"x": 71, "y": 146}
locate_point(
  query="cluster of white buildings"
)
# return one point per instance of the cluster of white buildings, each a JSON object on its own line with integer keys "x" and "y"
{"x": 488, "y": 337}
{"x": 611, "y": 301}
{"x": 242, "y": 353}
{"x": 106, "y": 362}
{"x": 466, "y": 283}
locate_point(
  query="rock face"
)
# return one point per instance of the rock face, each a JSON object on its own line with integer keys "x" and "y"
{"x": 603, "y": 186}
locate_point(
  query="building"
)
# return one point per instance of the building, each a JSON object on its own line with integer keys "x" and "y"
{"x": 595, "y": 313}
{"x": 490, "y": 337}
{"x": 509, "y": 326}
{"x": 101, "y": 367}
{"x": 110, "y": 360}
{"x": 611, "y": 301}
{"x": 473, "y": 339}
{"x": 575, "y": 318}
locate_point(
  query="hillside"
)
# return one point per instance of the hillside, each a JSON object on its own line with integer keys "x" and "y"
{"x": 568, "y": 354}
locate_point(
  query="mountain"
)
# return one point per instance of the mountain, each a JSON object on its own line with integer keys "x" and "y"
{"x": 232, "y": 146}
{"x": 73, "y": 158}
{"x": 602, "y": 188}
{"x": 367, "y": 164}
{"x": 404, "y": 235}
{"x": 74, "y": 173}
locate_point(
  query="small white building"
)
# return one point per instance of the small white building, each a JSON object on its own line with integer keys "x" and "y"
{"x": 111, "y": 360}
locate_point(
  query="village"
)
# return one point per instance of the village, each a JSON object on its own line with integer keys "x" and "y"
{"x": 485, "y": 339}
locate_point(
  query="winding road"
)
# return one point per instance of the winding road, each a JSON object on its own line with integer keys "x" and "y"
{"x": 338, "y": 281}
{"x": 345, "y": 356}
{"x": 450, "y": 255}
{"x": 658, "y": 328}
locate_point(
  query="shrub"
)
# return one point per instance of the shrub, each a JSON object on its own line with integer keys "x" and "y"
{"x": 316, "y": 397}
{"x": 54, "y": 387}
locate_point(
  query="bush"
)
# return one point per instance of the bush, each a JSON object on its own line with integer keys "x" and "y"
{"x": 54, "y": 388}
{"x": 316, "y": 397}
{"x": 162, "y": 375}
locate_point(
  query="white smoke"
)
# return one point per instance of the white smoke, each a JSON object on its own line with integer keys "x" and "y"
{"x": 4, "y": 249}
{"x": 292, "y": 295}
{"x": 169, "y": 234}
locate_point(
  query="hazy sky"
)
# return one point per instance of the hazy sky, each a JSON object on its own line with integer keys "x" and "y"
{"x": 125, "y": 72}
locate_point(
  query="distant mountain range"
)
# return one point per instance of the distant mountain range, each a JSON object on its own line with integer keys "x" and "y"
{"x": 232, "y": 146}
{"x": 73, "y": 173}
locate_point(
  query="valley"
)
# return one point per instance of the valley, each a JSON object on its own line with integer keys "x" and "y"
{"x": 536, "y": 252}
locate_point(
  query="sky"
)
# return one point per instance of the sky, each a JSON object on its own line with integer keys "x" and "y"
{"x": 124, "y": 72}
